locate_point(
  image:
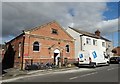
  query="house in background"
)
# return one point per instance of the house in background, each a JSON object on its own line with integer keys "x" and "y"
{"x": 85, "y": 41}
{"x": 116, "y": 51}
{"x": 2, "y": 51}
{"x": 42, "y": 44}
{"x": 109, "y": 47}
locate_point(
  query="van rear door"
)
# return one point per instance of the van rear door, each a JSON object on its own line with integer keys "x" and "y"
{"x": 83, "y": 58}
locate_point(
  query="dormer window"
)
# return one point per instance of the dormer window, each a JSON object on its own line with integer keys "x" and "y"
{"x": 54, "y": 31}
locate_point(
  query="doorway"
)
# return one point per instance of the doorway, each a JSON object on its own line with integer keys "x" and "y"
{"x": 56, "y": 56}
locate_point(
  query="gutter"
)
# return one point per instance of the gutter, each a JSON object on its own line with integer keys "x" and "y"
{"x": 23, "y": 49}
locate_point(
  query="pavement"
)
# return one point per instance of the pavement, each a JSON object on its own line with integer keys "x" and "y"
{"x": 14, "y": 74}
{"x": 99, "y": 74}
{"x": 73, "y": 74}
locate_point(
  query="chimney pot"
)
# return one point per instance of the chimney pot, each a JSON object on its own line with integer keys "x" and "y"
{"x": 97, "y": 33}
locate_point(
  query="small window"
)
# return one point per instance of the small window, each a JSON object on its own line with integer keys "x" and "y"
{"x": 35, "y": 46}
{"x": 67, "y": 48}
{"x": 103, "y": 44}
{"x": 19, "y": 51}
{"x": 54, "y": 31}
{"x": 94, "y": 42}
{"x": 88, "y": 41}
{"x": 13, "y": 46}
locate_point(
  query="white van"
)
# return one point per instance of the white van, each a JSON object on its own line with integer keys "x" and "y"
{"x": 92, "y": 58}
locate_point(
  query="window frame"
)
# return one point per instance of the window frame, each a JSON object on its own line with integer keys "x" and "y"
{"x": 54, "y": 31}
{"x": 36, "y": 46}
{"x": 88, "y": 41}
{"x": 103, "y": 43}
{"x": 19, "y": 49}
{"x": 67, "y": 49}
{"x": 94, "y": 42}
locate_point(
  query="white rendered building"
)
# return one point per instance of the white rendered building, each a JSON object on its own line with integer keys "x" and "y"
{"x": 85, "y": 42}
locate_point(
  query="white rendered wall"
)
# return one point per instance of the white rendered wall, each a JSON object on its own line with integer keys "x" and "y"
{"x": 98, "y": 47}
{"x": 86, "y": 47}
{"x": 76, "y": 36}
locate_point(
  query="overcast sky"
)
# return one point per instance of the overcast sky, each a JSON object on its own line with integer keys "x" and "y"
{"x": 87, "y": 16}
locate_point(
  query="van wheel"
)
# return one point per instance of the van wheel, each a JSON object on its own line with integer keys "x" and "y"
{"x": 94, "y": 66}
{"x": 78, "y": 66}
{"x": 108, "y": 63}
{"x": 119, "y": 62}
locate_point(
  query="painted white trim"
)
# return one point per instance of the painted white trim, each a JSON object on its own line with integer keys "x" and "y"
{"x": 39, "y": 46}
{"x": 19, "y": 49}
{"x": 95, "y": 42}
{"x": 56, "y": 58}
{"x": 56, "y": 51}
{"x": 66, "y": 48}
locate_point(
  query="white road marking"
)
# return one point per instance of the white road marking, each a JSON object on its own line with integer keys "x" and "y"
{"x": 17, "y": 78}
{"x": 89, "y": 74}
{"x": 74, "y": 71}
{"x": 94, "y": 73}
{"x": 41, "y": 74}
{"x": 112, "y": 68}
{"x": 83, "y": 75}
{"x": 73, "y": 78}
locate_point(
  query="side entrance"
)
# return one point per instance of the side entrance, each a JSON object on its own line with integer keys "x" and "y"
{"x": 56, "y": 56}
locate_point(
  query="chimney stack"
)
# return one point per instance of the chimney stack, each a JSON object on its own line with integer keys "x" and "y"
{"x": 97, "y": 33}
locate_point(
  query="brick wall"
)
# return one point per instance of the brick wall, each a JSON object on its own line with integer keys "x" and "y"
{"x": 46, "y": 40}
{"x": 15, "y": 46}
{"x": 48, "y": 43}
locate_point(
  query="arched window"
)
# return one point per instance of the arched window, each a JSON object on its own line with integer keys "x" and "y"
{"x": 67, "y": 48}
{"x": 36, "y": 46}
{"x": 19, "y": 51}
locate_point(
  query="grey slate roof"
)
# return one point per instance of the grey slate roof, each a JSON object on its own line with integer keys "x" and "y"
{"x": 89, "y": 34}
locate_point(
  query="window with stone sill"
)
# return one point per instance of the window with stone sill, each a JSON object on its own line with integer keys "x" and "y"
{"x": 67, "y": 48}
{"x": 36, "y": 46}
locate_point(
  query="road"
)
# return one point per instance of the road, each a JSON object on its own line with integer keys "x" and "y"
{"x": 99, "y": 74}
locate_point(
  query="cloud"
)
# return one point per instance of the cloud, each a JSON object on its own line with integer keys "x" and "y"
{"x": 107, "y": 27}
{"x": 17, "y": 16}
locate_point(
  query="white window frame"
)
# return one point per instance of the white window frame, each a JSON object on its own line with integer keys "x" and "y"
{"x": 94, "y": 42}
{"x": 103, "y": 44}
{"x": 88, "y": 41}
{"x": 66, "y": 48}
{"x": 33, "y": 47}
{"x": 19, "y": 49}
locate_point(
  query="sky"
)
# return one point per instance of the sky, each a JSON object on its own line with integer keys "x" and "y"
{"x": 87, "y": 16}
